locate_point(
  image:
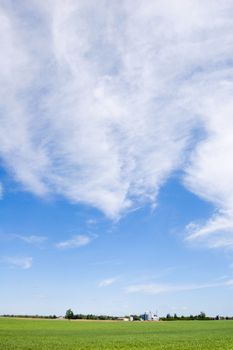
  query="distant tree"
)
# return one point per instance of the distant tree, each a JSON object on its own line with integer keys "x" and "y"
{"x": 202, "y": 315}
{"x": 168, "y": 316}
{"x": 175, "y": 316}
{"x": 136, "y": 318}
{"x": 69, "y": 314}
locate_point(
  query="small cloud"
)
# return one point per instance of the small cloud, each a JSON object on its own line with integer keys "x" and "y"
{"x": 151, "y": 288}
{"x": 216, "y": 232}
{"x": 32, "y": 239}
{"x": 22, "y": 263}
{"x": 76, "y": 242}
{"x": 222, "y": 278}
{"x": 92, "y": 222}
{"x": 107, "y": 282}
{"x": 229, "y": 283}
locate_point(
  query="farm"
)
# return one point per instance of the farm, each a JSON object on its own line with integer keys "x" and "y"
{"x": 21, "y": 334}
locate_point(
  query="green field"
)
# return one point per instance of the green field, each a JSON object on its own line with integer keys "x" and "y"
{"x": 18, "y": 334}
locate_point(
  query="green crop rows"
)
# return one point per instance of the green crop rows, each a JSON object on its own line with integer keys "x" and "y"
{"x": 20, "y": 334}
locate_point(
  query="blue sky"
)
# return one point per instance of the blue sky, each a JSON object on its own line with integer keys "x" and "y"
{"x": 116, "y": 157}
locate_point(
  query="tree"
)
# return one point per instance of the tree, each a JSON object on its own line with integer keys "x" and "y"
{"x": 136, "y": 318}
{"x": 69, "y": 314}
{"x": 202, "y": 315}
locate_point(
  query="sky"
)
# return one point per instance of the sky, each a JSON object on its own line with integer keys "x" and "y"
{"x": 116, "y": 139}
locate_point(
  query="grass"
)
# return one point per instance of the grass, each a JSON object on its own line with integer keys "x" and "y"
{"x": 21, "y": 334}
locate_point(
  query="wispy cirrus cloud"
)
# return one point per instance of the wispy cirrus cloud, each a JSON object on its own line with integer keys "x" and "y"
{"x": 217, "y": 232}
{"x": 24, "y": 263}
{"x": 76, "y": 242}
{"x": 32, "y": 239}
{"x": 210, "y": 171}
{"x": 108, "y": 282}
{"x": 158, "y": 288}
{"x": 115, "y": 126}
{"x": 126, "y": 94}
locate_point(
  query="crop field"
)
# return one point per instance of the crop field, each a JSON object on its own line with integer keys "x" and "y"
{"x": 21, "y": 334}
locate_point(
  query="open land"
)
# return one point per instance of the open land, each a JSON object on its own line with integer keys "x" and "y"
{"x": 22, "y": 334}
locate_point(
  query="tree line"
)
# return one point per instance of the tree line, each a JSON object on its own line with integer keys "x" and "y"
{"x": 71, "y": 316}
{"x": 31, "y": 316}
{"x": 201, "y": 317}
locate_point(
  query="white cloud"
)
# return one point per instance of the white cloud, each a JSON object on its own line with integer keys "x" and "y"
{"x": 217, "y": 232}
{"x": 92, "y": 113}
{"x": 107, "y": 282}
{"x": 76, "y": 242}
{"x": 32, "y": 239}
{"x": 157, "y": 288}
{"x": 229, "y": 283}
{"x": 20, "y": 262}
{"x": 210, "y": 171}
{"x": 102, "y": 101}
{"x": 92, "y": 222}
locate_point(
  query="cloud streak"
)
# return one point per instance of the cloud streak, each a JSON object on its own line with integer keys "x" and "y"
{"x": 24, "y": 263}
{"x": 160, "y": 288}
{"x": 107, "y": 282}
{"x": 75, "y": 242}
{"x": 33, "y": 239}
{"x": 217, "y": 232}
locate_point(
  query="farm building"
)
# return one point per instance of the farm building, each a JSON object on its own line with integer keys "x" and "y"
{"x": 149, "y": 316}
{"x": 122, "y": 318}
